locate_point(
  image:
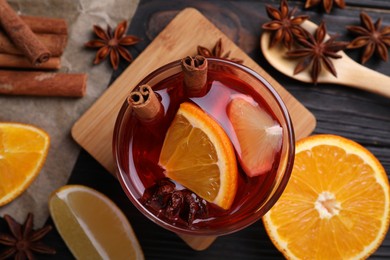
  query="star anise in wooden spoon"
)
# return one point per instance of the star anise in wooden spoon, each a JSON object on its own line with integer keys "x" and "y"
{"x": 216, "y": 52}
{"x": 110, "y": 43}
{"x": 23, "y": 240}
{"x": 284, "y": 25}
{"x": 316, "y": 52}
{"x": 327, "y": 4}
{"x": 371, "y": 36}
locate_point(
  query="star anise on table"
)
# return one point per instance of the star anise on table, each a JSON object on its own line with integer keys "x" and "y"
{"x": 23, "y": 240}
{"x": 216, "y": 52}
{"x": 327, "y": 4}
{"x": 284, "y": 24}
{"x": 373, "y": 37}
{"x": 110, "y": 43}
{"x": 316, "y": 52}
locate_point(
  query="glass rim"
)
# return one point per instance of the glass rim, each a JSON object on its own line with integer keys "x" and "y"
{"x": 241, "y": 224}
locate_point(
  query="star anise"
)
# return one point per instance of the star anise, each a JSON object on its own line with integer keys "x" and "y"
{"x": 284, "y": 25}
{"x": 23, "y": 240}
{"x": 372, "y": 37}
{"x": 317, "y": 52}
{"x": 111, "y": 44}
{"x": 327, "y": 4}
{"x": 216, "y": 52}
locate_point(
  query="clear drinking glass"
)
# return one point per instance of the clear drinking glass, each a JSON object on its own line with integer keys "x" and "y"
{"x": 250, "y": 206}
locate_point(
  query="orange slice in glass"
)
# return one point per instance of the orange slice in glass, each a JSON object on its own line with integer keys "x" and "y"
{"x": 23, "y": 151}
{"x": 336, "y": 204}
{"x": 198, "y": 154}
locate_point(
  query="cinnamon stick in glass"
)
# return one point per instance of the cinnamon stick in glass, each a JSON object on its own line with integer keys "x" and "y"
{"x": 55, "y": 43}
{"x": 195, "y": 75}
{"x": 145, "y": 104}
{"x": 46, "y": 25}
{"x": 21, "y": 35}
{"x": 21, "y": 62}
{"x": 39, "y": 83}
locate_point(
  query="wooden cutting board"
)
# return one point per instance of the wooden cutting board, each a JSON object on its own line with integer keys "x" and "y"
{"x": 94, "y": 130}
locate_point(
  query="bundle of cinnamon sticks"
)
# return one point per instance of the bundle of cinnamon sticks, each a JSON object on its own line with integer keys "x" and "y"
{"x": 34, "y": 43}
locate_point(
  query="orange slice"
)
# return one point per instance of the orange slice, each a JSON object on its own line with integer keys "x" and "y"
{"x": 198, "y": 154}
{"x": 92, "y": 226}
{"x": 23, "y": 151}
{"x": 336, "y": 204}
{"x": 258, "y": 134}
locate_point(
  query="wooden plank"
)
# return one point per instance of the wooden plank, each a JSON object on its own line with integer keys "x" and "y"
{"x": 93, "y": 131}
{"x": 382, "y": 4}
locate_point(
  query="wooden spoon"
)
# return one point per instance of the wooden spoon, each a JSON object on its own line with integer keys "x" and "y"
{"x": 349, "y": 72}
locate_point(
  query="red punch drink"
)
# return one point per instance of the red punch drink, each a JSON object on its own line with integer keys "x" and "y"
{"x": 256, "y": 123}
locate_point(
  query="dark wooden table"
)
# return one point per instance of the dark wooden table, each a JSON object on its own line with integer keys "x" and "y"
{"x": 348, "y": 112}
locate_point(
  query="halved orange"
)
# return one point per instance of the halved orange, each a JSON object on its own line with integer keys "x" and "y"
{"x": 198, "y": 154}
{"x": 336, "y": 204}
{"x": 23, "y": 151}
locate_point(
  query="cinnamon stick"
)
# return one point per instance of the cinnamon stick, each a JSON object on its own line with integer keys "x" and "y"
{"x": 21, "y": 35}
{"x": 55, "y": 43}
{"x": 195, "y": 75}
{"x": 145, "y": 104}
{"x": 21, "y": 62}
{"x": 46, "y": 25}
{"x": 42, "y": 83}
